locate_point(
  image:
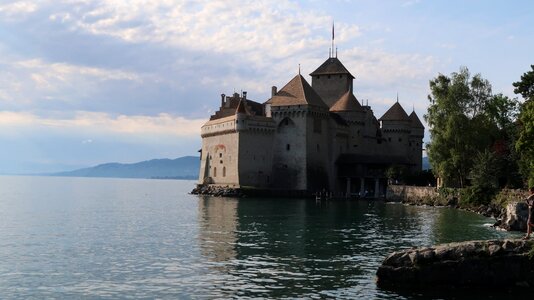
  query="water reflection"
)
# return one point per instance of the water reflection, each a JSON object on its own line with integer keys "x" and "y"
{"x": 298, "y": 248}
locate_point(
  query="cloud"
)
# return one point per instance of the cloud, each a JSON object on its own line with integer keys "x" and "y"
{"x": 161, "y": 125}
{"x": 17, "y": 9}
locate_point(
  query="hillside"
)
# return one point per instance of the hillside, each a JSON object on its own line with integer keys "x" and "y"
{"x": 180, "y": 168}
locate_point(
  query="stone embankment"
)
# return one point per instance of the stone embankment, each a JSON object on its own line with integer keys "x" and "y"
{"x": 492, "y": 264}
{"x": 218, "y": 191}
{"x": 508, "y": 206}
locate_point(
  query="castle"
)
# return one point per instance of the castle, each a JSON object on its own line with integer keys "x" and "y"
{"x": 308, "y": 138}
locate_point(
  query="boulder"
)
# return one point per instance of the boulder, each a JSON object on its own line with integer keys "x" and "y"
{"x": 494, "y": 264}
{"x": 515, "y": 216}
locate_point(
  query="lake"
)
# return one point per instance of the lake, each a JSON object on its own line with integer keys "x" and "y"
{"x": 133, "y": 238}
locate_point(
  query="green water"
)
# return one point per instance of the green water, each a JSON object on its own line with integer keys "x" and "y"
{"x": 123, "y": 238}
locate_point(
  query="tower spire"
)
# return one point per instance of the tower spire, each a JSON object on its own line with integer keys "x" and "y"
{"x": 397, "y": 97}
{"x": 333, "y": 35}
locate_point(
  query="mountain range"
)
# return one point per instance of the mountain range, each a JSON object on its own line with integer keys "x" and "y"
{"x": 180, "y": 168}
{"x": 186, "y": 167}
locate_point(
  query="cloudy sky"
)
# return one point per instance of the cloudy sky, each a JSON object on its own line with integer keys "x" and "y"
{"x": 84, "y": 82}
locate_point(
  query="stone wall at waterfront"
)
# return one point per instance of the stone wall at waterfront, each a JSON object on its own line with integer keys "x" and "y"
{"x": 418, "y": 195}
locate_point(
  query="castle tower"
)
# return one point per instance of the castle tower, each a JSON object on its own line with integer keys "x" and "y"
{"x": 396, "y": 129}
{"x": 416, "y": 142}
{"x": 331, "y": 80}
{"x": 300, "y": 149}
{"x": 353, "y": 113}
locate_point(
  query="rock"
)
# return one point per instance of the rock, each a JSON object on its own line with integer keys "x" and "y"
{"x": 515, "y": 216}
{"x": 217, "y": 191}
{"x": 493, "y": 264}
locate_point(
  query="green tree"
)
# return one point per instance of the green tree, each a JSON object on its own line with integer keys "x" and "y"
{"x": 525, "y": 139}
{"x": 455, "y": 102}
{"x": 466, "y": 119}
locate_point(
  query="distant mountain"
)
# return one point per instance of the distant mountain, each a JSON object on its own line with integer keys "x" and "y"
{"x": 426, "y": 163}
{"x": 186, "y": 167}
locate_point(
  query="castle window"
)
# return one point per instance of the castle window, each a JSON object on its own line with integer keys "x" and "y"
{"x": 400, "y": 140}
{"x": 215, "y": 172}
{"x": 340, "y": 76}
{"x": 389, "y": 139}
{"x": 236, "y": 121}
{"x": 287, "y": 122}
{"x": 328, "y": 76}
{"x": 224, "y": 171}
{"x": 220, "y": 154}
{"x": 318, "y": 148}
{"x": 410, "y": 144}
{"x": 221, "y": 161}
{"x": 288, "y": 147}
{"x": 318, "y": 77}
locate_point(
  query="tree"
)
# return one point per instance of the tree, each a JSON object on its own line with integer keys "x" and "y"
{"x": 525, "y": 139}
{"x": 466, "y": 119}
{"x": 454, "y": 102}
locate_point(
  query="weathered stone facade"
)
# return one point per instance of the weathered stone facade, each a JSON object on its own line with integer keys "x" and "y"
{"x": 308, "y": 138}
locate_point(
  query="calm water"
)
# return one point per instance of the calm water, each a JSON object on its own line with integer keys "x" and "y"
{"x": 121, "y": 238}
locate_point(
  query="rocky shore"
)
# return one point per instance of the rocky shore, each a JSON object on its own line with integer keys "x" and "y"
{"x": 217, "y": 191}
{"x": 488, "y": 264}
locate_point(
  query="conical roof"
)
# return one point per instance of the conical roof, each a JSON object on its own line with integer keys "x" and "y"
{"x": 395, "y": 113}
{"x": 296, "y": 92}
{"x": 347, "y": 102}
{"x": 331, "y": 66}
{"x": 416, "y": 123}
{"x": 241, "y": 108}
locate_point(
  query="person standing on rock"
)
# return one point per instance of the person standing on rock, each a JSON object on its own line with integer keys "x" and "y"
{"x": 530, "y": 203}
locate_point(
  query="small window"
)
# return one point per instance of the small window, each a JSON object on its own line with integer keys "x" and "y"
{"x": 389, "y": 139}
{"x": 400, "y": 140}
{"x": 220, "y": 161}
{"x": 410, "y": 144}
{"x": 340, "y": 76}
{"x": 328, "y": 76}
{"x": 236, "y": 121}
{"x": 220, "y": 154}
{"x": 318, "y": 148}
{"x": 215, "y": 172}
{"x": 288, "y": 147}
{"x": 224, "y": 171}
{"x": 287, "y": 122}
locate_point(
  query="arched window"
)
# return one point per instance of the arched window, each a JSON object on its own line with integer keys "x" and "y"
{"x": 224, "y": 171}
{"x": 215, "y": 172}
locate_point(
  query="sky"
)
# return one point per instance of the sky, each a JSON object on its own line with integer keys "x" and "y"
{"x": 84, "y": 82}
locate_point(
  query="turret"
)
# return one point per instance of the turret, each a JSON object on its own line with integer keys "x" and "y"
{"x": 331, "y": 80}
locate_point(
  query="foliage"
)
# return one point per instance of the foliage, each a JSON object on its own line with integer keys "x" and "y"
{"x": 525, "y": 140}
{"x": 466, "y": 119}
{"x": 474, "y": 196}
{"x": 422, "y": 178}
{"x": 484, "y": 171}
{"x": 396, "y": 173}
